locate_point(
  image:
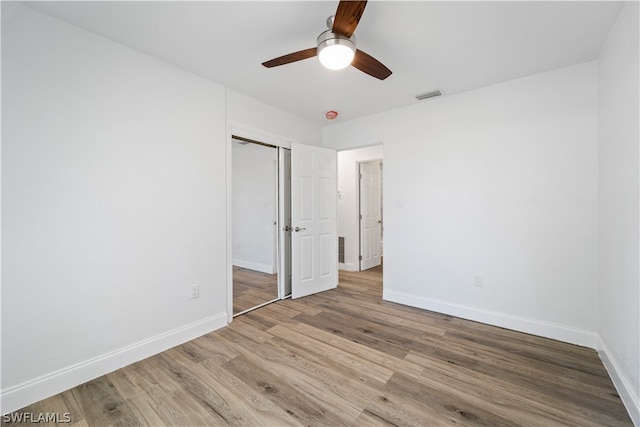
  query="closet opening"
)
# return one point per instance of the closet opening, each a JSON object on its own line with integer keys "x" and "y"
{"x": 261, "y": 224}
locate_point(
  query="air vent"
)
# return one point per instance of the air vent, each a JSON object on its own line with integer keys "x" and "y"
{"x": 341, "y": 249}
{"x": 431, "y": 94}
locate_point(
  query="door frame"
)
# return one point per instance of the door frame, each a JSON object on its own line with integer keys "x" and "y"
{"x": 349, "y": 198}
{"x": 246, "y": 132}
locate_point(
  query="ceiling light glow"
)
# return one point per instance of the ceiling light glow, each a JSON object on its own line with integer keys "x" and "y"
{"x": 335, "y": 51}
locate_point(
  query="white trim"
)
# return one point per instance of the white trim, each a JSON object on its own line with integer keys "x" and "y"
{"x": 280, "y": 220}
{"x": 255, "y": 266}
{"x": 522, "y": 324}
{"x": 229, "y": 229}
{"x": 21, "y": 395}
{"x": 620, "y": 381}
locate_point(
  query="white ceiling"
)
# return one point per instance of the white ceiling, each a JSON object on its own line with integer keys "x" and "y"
{"x": 455, "y": 46}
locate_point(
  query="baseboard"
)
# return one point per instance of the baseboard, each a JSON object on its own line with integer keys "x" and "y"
{"x": 629, "y": 398}
{"x": 347, "y": 266}
{"x": 21, "y": 395}
{"x": 521, "y": 324}
{"x": 250, "y": 265}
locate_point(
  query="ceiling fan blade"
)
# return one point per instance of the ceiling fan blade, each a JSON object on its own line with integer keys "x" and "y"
{"x": 292, "y": 57}
{"x": 370, "y": 65}
{"x": 347, "y": 17}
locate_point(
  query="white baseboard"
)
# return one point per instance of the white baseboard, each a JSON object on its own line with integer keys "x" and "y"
{"x": 629, "y": 398}
{"x": 250, "y": 265}
{"x": 348, "y": 266}
{"x": 522, "y": 324}
{"x": 21, "y": 395}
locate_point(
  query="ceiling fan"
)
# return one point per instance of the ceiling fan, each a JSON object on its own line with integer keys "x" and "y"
{"x": 337, "y": 46}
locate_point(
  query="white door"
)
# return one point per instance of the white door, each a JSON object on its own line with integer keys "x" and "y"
{"x": 370, "y": 215}
{"x": 314, "y": 220}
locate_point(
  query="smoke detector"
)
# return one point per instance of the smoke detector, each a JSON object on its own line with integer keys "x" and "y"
{"x": 330, "y": 115}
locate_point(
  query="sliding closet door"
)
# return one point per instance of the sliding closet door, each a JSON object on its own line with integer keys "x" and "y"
{"x": 254, "y": 208}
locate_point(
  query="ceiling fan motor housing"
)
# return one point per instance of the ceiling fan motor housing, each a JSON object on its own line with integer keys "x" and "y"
{"x": 344, "y": 49}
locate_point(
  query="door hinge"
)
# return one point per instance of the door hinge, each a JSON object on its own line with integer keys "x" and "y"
{"x": 360, "y": 216}
{"x": 360, "y": 257}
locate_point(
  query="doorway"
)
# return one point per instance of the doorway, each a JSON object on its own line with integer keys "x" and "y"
{"x": 360, "y": 241}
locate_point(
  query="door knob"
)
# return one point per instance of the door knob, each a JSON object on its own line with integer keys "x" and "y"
{"x": 300, "y": 229}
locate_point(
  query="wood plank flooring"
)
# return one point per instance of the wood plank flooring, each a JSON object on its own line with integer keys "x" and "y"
{"x": 252, "y": 288}
{"x": 347, "y": 358}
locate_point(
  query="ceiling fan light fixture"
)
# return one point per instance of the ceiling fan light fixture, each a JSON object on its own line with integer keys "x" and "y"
{"x": 335, "y": 51}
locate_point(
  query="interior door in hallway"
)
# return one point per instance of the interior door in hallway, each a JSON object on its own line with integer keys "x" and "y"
{"x": 314, "y": 220}
{"x": 370, "y": 215}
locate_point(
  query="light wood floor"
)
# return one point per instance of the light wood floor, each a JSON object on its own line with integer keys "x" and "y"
{"x": 252, "y": 288}
{"x": 344, "y": 357}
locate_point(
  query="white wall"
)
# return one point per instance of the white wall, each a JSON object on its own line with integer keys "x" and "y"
{"x": 254, "y": 119}
{"x": 254, "y": 207}
{"x": 619, "y": 213}
{"x": 499, "y": 182}
{"x": 113, "y": 171}
{"x": 348, "y": 202}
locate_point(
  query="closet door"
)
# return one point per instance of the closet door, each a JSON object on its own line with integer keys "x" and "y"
{"x": 285, "y": 220}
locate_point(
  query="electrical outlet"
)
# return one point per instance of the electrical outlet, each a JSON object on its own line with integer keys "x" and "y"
{"x": 195, "y": 291}
{"x": 478, "y": 281}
